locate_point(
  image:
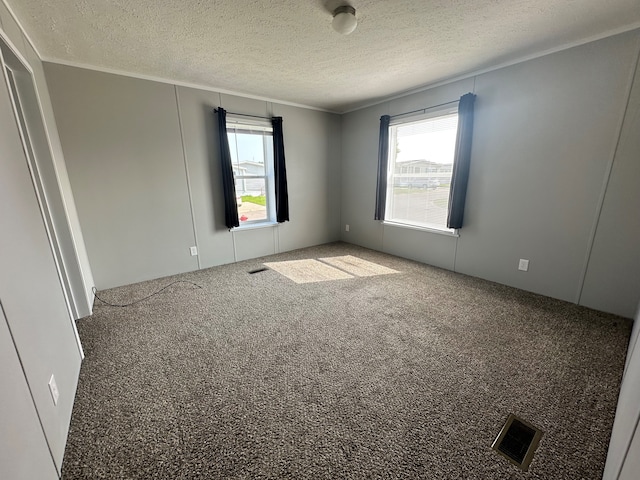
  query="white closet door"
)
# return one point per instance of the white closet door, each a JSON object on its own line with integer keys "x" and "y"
{"x": 24, "y": 454}
{"x": 624, "y": 448}
{"x": 30, "y": 289}
{"x": 631, "y": 467}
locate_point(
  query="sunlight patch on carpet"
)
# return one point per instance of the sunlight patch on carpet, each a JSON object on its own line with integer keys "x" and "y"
{"x": 307, "y": 271}
{"x": 357, "y": 266}
{"x": 329, "y": 268}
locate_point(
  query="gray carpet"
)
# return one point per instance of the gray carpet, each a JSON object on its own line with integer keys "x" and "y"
{"x": 404, "y": 375}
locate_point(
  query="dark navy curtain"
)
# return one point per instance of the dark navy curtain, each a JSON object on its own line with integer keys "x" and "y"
{"x": 280, "y": 172}
{"x": 383, "y": 162}
{"x": 228, "y": 184}
{"x": 461, "y": 161}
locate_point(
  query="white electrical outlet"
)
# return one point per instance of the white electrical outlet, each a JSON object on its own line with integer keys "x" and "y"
{"x": 53, "y": 388}
{"x": 346, "y": 227}
{"x": 194, "y": 251}
{"x": 523, "y": 265}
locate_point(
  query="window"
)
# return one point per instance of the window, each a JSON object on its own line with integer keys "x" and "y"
{"x": 251, "y": 148}
{"x": 421, "y": 152}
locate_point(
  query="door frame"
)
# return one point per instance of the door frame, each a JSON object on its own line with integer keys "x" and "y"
{"x": 36, "y": 180}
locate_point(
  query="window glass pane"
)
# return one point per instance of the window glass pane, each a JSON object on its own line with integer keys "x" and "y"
{"x": 247, "y": 151}
{"x": 251, "y": 148}
{"x": 251, "y": 196}
{"x": 421, "y": 163}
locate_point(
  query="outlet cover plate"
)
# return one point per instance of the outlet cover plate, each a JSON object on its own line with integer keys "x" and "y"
{"x": 523, "y": 265}
{"x": 193, "y": 251}
{"x": 53, "y": 388}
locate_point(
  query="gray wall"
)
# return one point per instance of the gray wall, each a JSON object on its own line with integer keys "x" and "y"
{"x": 36, "y": 332}
{"x": 613, "y": 275}
{"x": 122, "y": 146}
{"x": 545, "y": 136}
{"x": 143, "y": 162}
{"x": 312, "y": 141}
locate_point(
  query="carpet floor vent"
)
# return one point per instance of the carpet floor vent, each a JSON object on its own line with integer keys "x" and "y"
{"x": 517, "y": 441}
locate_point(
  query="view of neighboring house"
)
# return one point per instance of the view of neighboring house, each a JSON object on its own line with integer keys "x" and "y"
{"x": 245, "y": 185}
{"x": 421, "y": 174}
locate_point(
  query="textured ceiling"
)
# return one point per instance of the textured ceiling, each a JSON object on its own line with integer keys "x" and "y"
{"x": 287, "y": 50}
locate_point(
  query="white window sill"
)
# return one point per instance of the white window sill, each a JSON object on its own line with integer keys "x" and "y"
{"x": 448, "y": 233}
{"x": 253, "y": 226}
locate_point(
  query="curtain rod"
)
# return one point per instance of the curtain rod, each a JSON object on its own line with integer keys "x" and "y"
{"x": 424, "y": 109}
{"x": 245, "y": 115}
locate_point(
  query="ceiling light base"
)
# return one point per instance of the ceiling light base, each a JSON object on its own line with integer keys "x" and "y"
{"x": 344, "y": 19}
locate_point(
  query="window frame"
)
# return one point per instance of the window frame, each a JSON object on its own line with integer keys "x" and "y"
{"x": 450, "y": 109}
{"x": 235, "y": 123}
